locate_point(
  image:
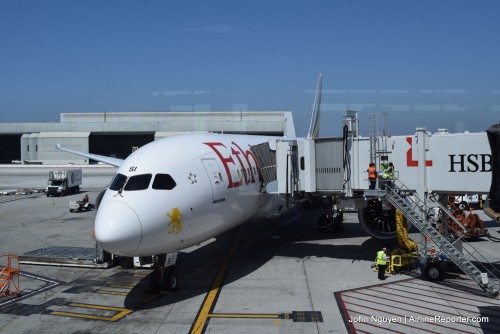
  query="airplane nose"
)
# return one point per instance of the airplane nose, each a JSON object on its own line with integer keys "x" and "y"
{"x": 118, "y": 228}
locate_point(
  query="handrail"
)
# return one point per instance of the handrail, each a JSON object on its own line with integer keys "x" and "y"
{"x": 415, "y": 209}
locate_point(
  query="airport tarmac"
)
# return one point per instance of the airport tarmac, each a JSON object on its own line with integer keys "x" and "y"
{"x": 267, "y": 276}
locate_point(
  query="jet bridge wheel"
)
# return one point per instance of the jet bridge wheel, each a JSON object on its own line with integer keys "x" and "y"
{"x": 379, "y": 222}
{"x": 432, "y": 271}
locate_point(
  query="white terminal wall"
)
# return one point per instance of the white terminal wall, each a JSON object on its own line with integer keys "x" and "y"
{"x": 38, "y": 140}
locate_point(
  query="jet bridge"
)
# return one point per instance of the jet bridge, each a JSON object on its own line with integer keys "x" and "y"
{"x": 295, "y": 167}
{"x": 458, "y": 163}
{"x": 428, "y": 163}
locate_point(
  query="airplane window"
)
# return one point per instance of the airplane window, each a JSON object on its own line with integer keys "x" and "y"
{"x": 138, "y": 182}
{"x": 163, "y": 182}
{"x": 118, "y": 182}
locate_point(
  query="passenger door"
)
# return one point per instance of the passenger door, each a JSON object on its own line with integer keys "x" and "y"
{"x": 216, "y": 181}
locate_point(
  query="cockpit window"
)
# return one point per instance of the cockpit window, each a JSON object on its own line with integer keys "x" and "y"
{"x": 118, "y": 182}
{"x": 164, "y": 182}
{"x": 138, "y": 182}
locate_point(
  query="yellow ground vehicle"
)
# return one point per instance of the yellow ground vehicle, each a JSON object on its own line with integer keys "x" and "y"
{"x": 407, "y": 254}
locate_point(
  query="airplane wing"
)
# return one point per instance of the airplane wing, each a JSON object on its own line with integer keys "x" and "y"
{"x": 107, "y": 160}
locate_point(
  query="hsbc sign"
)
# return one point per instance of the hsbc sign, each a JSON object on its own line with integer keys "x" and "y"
{"x": 470, "y": 163}
{"x": 458, "y": 163}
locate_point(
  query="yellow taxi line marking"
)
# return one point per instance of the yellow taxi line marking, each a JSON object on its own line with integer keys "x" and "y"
{"x": 121, "y": 312}
{"x": 122, "y": 286}
{"x": 244, "y": 315}
{"x": 203, "y": 315}
{"x": 99, "y": 307}
{"x": 81, "y": 315}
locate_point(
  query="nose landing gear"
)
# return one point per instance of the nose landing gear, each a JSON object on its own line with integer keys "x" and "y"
{"x": 163, "y": 277}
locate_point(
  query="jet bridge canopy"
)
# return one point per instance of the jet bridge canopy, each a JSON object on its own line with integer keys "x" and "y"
{"x": 294, "y": 166}
{"x": 442, "y": 163}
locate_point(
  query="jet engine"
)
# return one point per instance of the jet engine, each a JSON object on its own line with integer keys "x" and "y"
{"x": 378, "y": 218}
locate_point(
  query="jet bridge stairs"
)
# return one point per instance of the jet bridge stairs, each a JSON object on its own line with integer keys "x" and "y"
{"x": 469, "y": 260}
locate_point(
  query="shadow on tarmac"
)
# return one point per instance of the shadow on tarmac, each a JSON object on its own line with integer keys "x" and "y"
{"x": 261, "y": 240}
{"x": 491, "y": 321}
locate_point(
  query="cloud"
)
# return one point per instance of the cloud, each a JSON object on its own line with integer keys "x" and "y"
{"x": 427, "y": 107}
{"x": 179, "y": 92}
{"x": 176, "y": 92}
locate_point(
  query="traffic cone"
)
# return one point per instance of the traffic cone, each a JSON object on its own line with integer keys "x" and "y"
{"x": 433, "y": 250}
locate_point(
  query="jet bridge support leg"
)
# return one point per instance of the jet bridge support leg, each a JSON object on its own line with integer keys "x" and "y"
{"x": 331, "y": 219}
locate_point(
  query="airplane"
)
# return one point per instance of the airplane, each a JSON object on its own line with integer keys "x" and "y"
{"x": 180, "y": 191}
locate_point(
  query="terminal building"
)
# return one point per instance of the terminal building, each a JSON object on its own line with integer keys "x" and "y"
{"x": 118, "y": 134}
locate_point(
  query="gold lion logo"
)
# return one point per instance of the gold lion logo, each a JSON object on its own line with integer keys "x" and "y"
{"x": 175, "y": 221}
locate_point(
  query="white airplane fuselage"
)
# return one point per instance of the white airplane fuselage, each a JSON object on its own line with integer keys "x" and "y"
{"x": 179, "y": 191}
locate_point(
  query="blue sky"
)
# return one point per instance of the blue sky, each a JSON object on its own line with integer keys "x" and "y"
{"x": 426, "y": 63}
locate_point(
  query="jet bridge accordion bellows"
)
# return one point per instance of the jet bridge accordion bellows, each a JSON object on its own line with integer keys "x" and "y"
{"x": 266, "y": 158}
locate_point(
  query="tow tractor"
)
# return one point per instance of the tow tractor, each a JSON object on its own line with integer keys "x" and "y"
{"x": 79, "y": 206}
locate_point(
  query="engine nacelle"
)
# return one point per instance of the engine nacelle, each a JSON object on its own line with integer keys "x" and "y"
{"x": 377, "y": 218}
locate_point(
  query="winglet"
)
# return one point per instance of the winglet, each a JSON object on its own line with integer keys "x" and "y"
{"x": 314, "y": 126}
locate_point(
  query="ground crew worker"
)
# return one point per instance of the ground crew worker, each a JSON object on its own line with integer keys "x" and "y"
{"x": 372, "y": 175}
{"x": 389, "y": 175}
{"x": 381, "y": 262}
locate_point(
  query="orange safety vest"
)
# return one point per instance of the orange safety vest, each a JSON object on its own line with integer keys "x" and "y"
{"x": 372, "y": 173}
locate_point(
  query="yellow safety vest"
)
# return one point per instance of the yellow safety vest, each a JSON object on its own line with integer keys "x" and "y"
{"x": 389, "y": 173}
{"x": 381, "y": 258}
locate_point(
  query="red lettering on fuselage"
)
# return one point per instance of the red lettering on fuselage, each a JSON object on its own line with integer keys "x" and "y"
{"x": 248, "y": 178}
{"x": 227, "y": 155}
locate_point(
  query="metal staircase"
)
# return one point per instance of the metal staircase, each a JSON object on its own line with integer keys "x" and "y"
{"x": 470, "y": 261}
